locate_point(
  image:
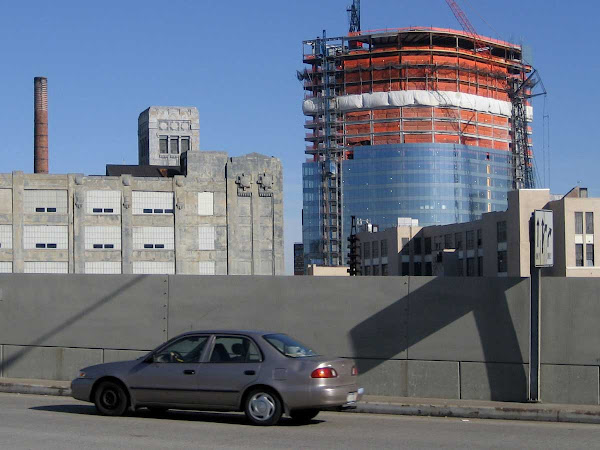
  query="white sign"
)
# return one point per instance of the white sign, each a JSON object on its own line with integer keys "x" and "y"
{"x": 543, "y": 227}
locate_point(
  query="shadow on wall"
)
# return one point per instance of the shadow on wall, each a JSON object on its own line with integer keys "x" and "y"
{"x": 437, "y": 322}
{"x": 41, "y": 340}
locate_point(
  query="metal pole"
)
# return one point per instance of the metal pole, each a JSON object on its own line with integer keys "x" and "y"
{"x": 535, "y": 322}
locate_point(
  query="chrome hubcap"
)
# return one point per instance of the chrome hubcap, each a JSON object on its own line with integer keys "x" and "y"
{"x": 262, "y": 406}
{"x": 109, "y": 399}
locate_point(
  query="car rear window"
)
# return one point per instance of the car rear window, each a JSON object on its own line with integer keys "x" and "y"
{"x": 289, "y": 346}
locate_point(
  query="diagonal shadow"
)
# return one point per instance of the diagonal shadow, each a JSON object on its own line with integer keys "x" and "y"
{"x": 70, "y": 321}
{"x": 416, "y": 327}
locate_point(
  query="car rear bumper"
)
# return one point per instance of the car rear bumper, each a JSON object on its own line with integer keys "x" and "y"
{"x": 81, "y": 389}
{"x": 337, "y": 397}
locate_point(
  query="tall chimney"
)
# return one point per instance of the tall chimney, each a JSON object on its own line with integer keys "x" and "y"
{"x": 40, "y": 128}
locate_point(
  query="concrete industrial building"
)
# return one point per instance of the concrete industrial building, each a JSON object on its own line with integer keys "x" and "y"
{"x": 414, "y": 122}
{"x": 180, "y": 212}
{"x": 496, "y": 245}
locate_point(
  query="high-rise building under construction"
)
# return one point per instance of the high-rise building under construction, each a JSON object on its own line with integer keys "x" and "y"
{"x": 425, "y": 123}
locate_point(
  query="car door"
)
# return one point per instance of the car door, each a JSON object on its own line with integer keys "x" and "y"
{"x": 233, "y": 364}
{"x": 170, "y": 374}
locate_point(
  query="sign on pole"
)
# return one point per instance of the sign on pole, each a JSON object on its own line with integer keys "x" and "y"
{"x": 543, "y": 227}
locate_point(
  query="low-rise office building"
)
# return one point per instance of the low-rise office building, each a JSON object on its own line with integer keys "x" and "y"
{"x": 496, "y": 245}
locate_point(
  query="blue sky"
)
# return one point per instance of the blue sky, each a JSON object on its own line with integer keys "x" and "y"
{"x": 236, "y": 61}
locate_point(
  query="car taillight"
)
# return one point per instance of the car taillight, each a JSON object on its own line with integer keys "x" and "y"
{"x": 324, "y": 372}
{"x": 354, "y": 371}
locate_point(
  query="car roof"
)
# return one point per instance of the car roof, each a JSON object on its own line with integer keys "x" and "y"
{"x": 253, "y": 333}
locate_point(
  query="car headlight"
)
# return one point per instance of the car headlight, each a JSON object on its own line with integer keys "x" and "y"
{"x": 82, "y": 374}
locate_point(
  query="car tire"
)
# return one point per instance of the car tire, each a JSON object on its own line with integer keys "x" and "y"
{"x": 304, "y": 415}
{"x": 111, "y": 399}
{"x": 263, "y": 407}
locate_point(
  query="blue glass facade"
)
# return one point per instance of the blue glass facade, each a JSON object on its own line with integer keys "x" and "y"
{"x": 435, "y": 183}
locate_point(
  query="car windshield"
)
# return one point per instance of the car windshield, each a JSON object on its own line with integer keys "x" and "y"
{"x": 288, "y": 346}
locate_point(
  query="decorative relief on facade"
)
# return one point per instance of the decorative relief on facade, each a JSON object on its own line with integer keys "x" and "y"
{"x": 244, "y": 182}
{"x": 78, "y": 200}
{"x": 174, "y": 125}
{"x": 265, "y": 185}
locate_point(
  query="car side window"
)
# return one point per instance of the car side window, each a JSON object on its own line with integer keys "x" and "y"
{"x": 234, "y": 349}
{"x": 185, "y": 350}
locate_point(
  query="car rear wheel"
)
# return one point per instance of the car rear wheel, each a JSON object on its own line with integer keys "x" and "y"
{"x": 304, "y": 415}
{"x": 110, "y": 399}
{"x": 263, "y": 407}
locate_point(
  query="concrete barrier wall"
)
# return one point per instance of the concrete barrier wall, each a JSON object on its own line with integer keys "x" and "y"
{"x": 411, "y": 336}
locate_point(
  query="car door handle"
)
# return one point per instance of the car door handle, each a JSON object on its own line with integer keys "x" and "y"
{"x": 249, "y": 372}
{"x": 189, "y": 372}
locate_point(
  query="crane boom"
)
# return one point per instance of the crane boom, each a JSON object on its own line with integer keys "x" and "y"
{"x": 468, "y": 27}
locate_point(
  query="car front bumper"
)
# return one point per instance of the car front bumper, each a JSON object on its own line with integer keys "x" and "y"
{"x": 81, "y": 389}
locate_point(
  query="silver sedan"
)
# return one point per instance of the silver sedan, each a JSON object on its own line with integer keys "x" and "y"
{"x": 263, "y": 374}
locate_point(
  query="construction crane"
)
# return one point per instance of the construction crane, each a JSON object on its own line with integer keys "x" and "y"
{"x": 468, "y": 28}
{"x": 354, "y": 16}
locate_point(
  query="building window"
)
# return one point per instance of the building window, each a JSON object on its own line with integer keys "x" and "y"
{"x": 103, "y": 202}
{"x": 45, "y": 201}
{"x": 417, "y": 246}
{"x": 448, "y": 241}
{"x": 368, "y": 270}
{"x": 185, "y": 144}
{"x": 479, "y": 240}
{"x": 103, "y": 267}
{"x": 589, "y": 223}
{"x": 405, "y": 269}
{"x": 174, "y": 145}
{"x": 375, "y": 251}
{"x": 205, "y": 203}
{"x": 206, "y": 268}
{"x": 46, "y": 267}
{"x": 459, "y": 268}
{"x": 145, "y": 202}
{"x": 6, "y": 237}
{"x": 405, "y": 248}
{"x": 579, "y": 255}
{"x": 501, "y": 231}
{"x": 206, "y": 238}
{"x": 367, "y": 250}
{"x": 6, "y": 267}
{"x": 480, "y": 266}
{"x": 384, "y": 270}
{"x": 46, "y": 236}
{"x": 384, "y": 248}
{"x": 589, "y": 254}
{"x": 470, "y": 241}
{"x": 470, "y": 267}
{"x": 428, "y": 269}
{"x": 502, "y": 262}
{"x": 154, "y": 267}
{"x": 578, "y": 223}
{"x": 163, "y": 145}
{"x": 417, "y": 267}
{"x": 375, "y": 270}
{"x": 102, "y": 237}
{"x": 161, "y": 238}
{"x": 458, "y": 241}
{"x": 428, "y": 246}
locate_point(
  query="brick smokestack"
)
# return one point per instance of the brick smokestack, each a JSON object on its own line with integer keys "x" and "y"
{"x": 40, "y": 128}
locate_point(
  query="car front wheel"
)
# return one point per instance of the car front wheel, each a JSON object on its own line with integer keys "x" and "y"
{"x": 110, "y": 399}
{"x": 263, "y": 407}
{"x": 304, "y": 415}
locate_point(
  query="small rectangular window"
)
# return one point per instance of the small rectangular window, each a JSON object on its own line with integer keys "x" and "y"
{"x": 40, "y": 209}
{"x": 405, "y": 268}
{"x": 147, "y": 211}
{"x": 384, "y": 270}
{"x": 109, "y": 245}
{"x": 368, "y": 270}
{"x": 479, "y": 241}
{"x": 40, "y": 245}
{"x": 448, "y": 241}
{"x": 502, "y": 262}
{"x": 589, "y": 255}
{"x": 589, "y": 223}
{"x": 501, "y": 231}
{"x": 50, "y": 209}
{"x": 428, "y": 246}
{"x": 578, "y": 223}
{"x": 97, "y": 210}
{"x": 168, "y": 211}
{"x": 428, "y": 269}
{"x": 51, "y": 246}
{"x": 384, "y": 249}
{"x": 375, "y": 251}
{"x": 148, "y": 246}
{"x": 159, "y": 245}
{"x": 185, "y": 144}
{"x": 470, "y": 241}
{"x": 470, "y": 267}
{"x": 417, "y": 247}
{"x": 367, "y": 250}
{"x": 108, "y": 210}
{"x": 158, "y": 211}
{"x": 97, "y": 245}
{"x": 579, "y": 255}
{"x": 163, "y": 145}
{"x": 376, "y": 270}
{"x": 417, "y": 267}
{"x": 174, "y": 146}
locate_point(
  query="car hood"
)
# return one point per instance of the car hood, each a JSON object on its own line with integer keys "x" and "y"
{"x": 112, "y": 368}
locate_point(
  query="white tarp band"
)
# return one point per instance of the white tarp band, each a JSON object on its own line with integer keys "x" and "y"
{"x": 395, "y": 99}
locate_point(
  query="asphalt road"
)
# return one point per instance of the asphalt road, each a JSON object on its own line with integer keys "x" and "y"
{"x": 40, "y": 422}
